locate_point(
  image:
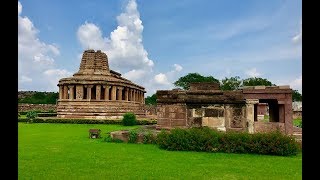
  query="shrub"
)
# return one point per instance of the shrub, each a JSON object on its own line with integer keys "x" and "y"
{"x": 149, "y": 138}
{"x": 205, "y": 139}
{"x": 31, "y": 115}
{"x": 193, "y": 139}
{"x": 129, "y": 119}
{"x": 133, "y": 136}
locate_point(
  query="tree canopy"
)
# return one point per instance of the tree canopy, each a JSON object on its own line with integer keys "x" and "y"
{"x": 257, "y": 81}
{"x": 151, "y": 100}
{"x": 296, "y": 96}
{"x": 231, "y": 83}
{"x": 184, "y": 82}
{"x": 40, "y": 98}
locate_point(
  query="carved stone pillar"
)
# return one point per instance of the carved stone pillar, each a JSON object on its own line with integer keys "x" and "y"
{"x": 114, "y": 93}
{"x": 134, "y": 95}
{"x": 60, "y": 92}
{"x": 130, "y": 94}
{"x": 89, "y": 91}
{"x": 120, "y": 93}
{"x": 65, "y": 92}
{"x": 98, "y": 92}
{"x": 142, "y": 97}
{"x": 79, "y": 91}
{"x": 106, "y": 92}
{"x": 71, "y": 92}
{"x": 126, "y": 94}
{"x": 250, "y": 113}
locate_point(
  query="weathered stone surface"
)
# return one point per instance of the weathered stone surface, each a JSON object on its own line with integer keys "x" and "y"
{"x": 97, "y": 92}
{"x": 205, "y": 105}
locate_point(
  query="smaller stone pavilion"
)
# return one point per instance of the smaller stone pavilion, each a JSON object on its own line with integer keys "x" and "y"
{"x": 204, "y": 104}
{"x": 96, "y": 92}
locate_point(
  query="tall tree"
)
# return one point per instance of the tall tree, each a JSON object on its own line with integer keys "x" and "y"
{"x": 255, "y": 81}
{"x": 151, "y": 100}
{"x": 184, "y": 82}
{"x": 296, "y": 96}
{"x": 231, "y": 83}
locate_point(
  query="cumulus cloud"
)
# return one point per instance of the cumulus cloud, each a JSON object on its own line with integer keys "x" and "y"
{"x": 19, "y": 8}
{"x": 161, "y": 79}
{"x": 25, "y": 79}
{"x": 53, "y": 76}
{"x": 135, "y": 75}
{"x": 253, "y": 72}
{"x": 34, "y": 57}
{"x": 298, "y": 38}
{"x": 124, "y": 47}
{"x": 296, "y": 83}
{"x": 177, "y": 67}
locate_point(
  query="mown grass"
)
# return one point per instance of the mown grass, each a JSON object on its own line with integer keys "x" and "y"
{"x": 64, "y": 151}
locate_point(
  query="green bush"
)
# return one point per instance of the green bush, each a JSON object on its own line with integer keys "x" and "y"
{"x": 149, "y": 138}
{"x": 129, "y": 119}
{"x": 133, "y": 136}
{"x": 31, "y": 115}
{"x": 205, "y": 139}
{"x": 193, "y": 139}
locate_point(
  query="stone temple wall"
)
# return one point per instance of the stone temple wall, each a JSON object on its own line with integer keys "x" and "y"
{"x": 98, "y": 110}
{"x": 97, "y": 92}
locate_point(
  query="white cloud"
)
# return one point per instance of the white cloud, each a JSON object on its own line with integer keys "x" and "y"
{"x": 296, "y": 83}
{"x": 177, "y": 67}
{"x": 161, "y": 79}
{"x": 298, "y": 38}
{"x": 34, "y": 57}
{"x": 90, "y": 37}
{"x": 53, "y": 75}
{"x": 135, "y": 75}
{"x": 253, "y": 72}
{"x": 25, "y": 79}
{"x": 124, "y": 46}
{"x": 19, "y": 8}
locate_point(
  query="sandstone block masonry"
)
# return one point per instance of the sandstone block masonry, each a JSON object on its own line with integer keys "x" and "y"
{"x": 97, "y": 92}
{"x": 206, "y": 105}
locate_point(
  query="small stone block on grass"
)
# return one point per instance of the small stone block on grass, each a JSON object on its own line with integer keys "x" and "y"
{"x": 94, "y": 133}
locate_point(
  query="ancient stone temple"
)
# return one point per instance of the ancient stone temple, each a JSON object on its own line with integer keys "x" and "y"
{"x": 204, "y": 104}
{"x": 97, "y": 92}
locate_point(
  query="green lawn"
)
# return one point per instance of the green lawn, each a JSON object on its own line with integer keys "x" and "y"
{"x": 64, "y": 151}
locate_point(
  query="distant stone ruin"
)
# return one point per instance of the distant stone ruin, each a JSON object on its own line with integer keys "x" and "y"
{"x": 96, "y": 92}
{"x": 206, "y": 105}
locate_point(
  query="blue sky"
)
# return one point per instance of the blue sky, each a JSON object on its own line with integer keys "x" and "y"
{"x": 153, "y": 43}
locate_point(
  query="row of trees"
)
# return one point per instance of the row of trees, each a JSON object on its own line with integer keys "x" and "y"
{"x": 40, "y": 98}
{"x": 226, "y": 84}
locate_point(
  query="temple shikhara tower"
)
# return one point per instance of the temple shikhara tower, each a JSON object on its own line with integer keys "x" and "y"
{"x": 97, "y": 92}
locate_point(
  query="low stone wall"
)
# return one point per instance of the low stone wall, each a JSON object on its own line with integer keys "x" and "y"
{"x": 268, "y": 126}
{"x": 34, "y": 107}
